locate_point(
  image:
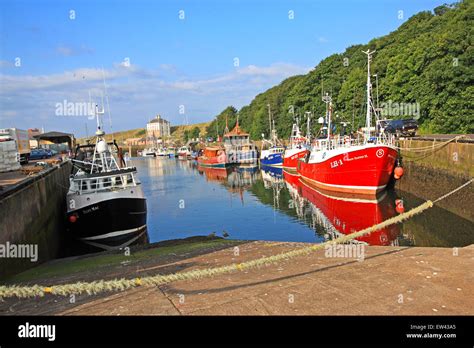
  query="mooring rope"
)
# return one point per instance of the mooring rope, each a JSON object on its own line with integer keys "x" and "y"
{"x": 99, "y": 286}
{"x": 430, "y": 147}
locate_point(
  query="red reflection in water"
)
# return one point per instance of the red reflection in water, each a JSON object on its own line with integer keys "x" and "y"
{"x": 347, "y": 214}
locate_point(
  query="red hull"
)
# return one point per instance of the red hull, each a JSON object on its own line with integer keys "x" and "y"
{"x": 362, "y": 171}
{"x": 292, "y": 178}
{"x": 291, "y": 162}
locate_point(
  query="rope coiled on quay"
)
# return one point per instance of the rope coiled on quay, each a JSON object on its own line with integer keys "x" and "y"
{"x": 99, "y": 286}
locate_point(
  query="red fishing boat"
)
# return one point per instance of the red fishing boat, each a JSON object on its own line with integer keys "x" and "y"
{"x": 214, "y": 157}
{"x": 340, "y": 163}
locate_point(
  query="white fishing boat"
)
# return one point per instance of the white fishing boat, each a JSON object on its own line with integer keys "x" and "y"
{"x": 105, "y": 202}
{"x": 184, "y": 152}
{"x": 149, "y": 152}
{"x": 162, "y": 152}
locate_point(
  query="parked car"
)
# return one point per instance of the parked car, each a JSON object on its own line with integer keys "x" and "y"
{"x": 51, "y": 152}
{"x": 39, "y": 154}
{"x": 401, "y": 127}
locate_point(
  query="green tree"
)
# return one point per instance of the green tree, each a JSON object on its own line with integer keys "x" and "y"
{"x": 186, "y": 135}
{"x": 428, "y": 60}
{"x": 195, "y": 133}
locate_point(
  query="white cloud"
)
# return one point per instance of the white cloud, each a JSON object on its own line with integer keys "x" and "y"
{"x": 135, "y": 93}
{"x": 322, "y": 39}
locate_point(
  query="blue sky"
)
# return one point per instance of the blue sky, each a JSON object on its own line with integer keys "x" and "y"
{"x": 174, "y": 62}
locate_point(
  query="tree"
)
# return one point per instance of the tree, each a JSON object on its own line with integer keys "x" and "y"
{"x": 428, "y": 60}
{"x": 186, "y": 135}
{"x": 195, "y": 133}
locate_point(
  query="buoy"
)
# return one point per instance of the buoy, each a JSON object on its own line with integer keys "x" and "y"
{"x": 399, "y": 206}
{"x": 72, "y": 218}
{"x": 398, "y": 173}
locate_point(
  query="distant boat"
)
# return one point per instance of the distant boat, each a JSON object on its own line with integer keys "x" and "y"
{"x": 171, "y": 151}
{"x": 162, "y": 152}
{"x": 184, "y": 152}
{"x": 273, "y": 156}
{"x": 105, "y": 202}
{"x": 194, "y": 155}
{"x": 239, "y": 149}
{"x": 340, "y": 163}
{"x": 149, "y": 152}
{"x": 213, "y": 157}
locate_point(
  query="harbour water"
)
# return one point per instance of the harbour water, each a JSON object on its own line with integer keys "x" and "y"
{"x": 253, "y": 204}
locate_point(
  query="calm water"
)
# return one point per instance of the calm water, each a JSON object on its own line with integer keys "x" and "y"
{"x": 184, "y": 200}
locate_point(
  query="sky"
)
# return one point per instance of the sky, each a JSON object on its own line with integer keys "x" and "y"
{"x": 184, "y": 60}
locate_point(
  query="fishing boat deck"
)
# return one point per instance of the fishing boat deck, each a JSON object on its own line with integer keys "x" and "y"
{"x": 390, "y": 280}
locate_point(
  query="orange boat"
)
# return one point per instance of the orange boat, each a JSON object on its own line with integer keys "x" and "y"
{"x": 214, "y": 157}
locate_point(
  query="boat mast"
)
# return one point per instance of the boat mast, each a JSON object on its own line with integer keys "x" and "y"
{"x": 270, "y": 135}
{"x": 368, "y": 119}
{"x": 328, "y": 100}
{"x": 308, "y": 128}
{"x": 99, "y": 133}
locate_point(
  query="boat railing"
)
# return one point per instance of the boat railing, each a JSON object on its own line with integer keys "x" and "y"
{"x": 83, "y": 185}
{"x": 346, "y": 142}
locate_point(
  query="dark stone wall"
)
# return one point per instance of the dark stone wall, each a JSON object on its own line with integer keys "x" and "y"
{"x": 34, "y": 213}
{"x": 432, "y": 174}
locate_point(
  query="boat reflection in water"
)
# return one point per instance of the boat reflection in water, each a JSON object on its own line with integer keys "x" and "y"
{"x": 337, "y": 215}
{"x": 235, "y": 178}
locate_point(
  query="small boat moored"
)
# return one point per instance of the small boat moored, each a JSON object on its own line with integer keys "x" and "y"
{"x": 184, "y": 152}
{"x": 213, "y": 156}
{"x": 273, "y": 156}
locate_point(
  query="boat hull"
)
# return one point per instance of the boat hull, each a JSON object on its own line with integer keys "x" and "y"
{"x": 275, "y": 160}
{"x": 291, "y": 157}
{"x": 210, "y": 163}
{"x": 108, "y": 217}
{"x": 360, "y": 170}
{"x": 210, "y": 160}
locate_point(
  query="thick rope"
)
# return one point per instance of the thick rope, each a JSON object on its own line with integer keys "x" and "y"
{"x": 430, "y": 147}
{"x": 453, "y": 191}
{"x": 124, "y": 284}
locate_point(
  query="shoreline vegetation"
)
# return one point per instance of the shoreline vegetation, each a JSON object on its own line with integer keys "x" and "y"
{"x": 426, "y": 63}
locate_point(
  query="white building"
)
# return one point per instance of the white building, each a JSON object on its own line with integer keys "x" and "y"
{"x": 157, "y": 128}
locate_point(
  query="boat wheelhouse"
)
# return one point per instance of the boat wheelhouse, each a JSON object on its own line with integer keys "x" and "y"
{"x": 238, "y": 147}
